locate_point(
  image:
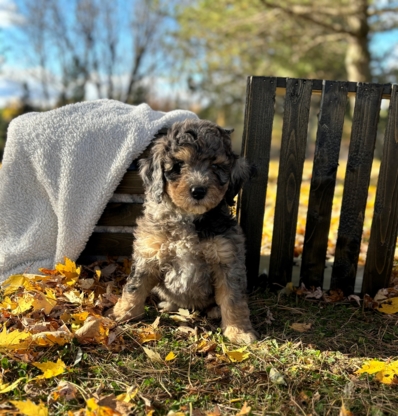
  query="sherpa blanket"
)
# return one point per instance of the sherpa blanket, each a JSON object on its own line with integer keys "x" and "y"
{"x": 59, "y": 170}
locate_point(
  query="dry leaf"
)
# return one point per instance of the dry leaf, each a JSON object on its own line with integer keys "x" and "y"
{"x": 50, "y": 369}
{"x": 170, "y": 356}
{"x": 344, "y": 411}
{"x": 93, "y": 328}
{"x": 5, "y": 388}
{"x": 301, "y": 327}
{"x": 13, "y": 283}
{"x": 276, "y": 377}
{"x": 245, "y": 410}
{"x": 372, "y": 367}
{"x": 147, "y": 336}
{"x": 64, "y": 390}
{"x": 153, "y": 355}
{"x": 205, "y": 346}
{"x": 60, "y": 337}
{"x": 390, "y": 306}
{"x": 239, "y": 355}
{"x": 14, "y": 339}
{"x": 28, "y": 408}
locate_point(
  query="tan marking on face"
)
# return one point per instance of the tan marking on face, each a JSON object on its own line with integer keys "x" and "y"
{"x": 180, "y": 193}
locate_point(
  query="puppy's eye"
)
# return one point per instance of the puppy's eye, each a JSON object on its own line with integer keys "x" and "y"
{"x": 214, "y": 166}
{"x": 177, "y": 166}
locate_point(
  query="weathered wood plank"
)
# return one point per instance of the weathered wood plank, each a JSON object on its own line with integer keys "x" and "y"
{"x": 317, "y": 87}
{"x": 121, "y": 214}
{"x": 109, "y": 244}
{"x": 357, "y": 177}
{"x": 130, "y": 184}
{"x": 383, "y": 237}
{"x": 323, "y": 181}
{"x": 294, "y": 138}
{"x": 256, "y": 145}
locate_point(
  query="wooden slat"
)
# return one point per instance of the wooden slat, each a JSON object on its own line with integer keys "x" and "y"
{"x": 383, "y": 235}
{"x": 121, "y": 214}
{"x": 260, "y": 107}
{"x": 109, "y": 244}
{"x": 130, "y": 184}
{"x": 360, "y": 158}
{"x": 293, "y": 146}
{"x": 317, "y": 87}
{"x": 323, "y": 181}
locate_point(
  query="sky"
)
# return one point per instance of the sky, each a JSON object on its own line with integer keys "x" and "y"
{"x": 13, "y": 71}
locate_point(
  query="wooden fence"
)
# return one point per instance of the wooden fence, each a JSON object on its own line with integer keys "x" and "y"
{"x": 259, "y": 116}
{"x": 121, "y": 212}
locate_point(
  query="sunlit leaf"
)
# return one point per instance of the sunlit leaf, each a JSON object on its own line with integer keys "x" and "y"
{"x": 5, "y": 388}
{"x": 153, "y": 355}
{"x": 239, "y": 355}
{"x": 29, "y": 408}
{"x": 13, "y": 339}
{"x": 13, "y": 283}
{"x": 300, "y": 327}
{"x": 389, "y": 307}
{"x": 372, "y": 367}
{"x": 51, "y": 369}
{"x": 170, "y": 356}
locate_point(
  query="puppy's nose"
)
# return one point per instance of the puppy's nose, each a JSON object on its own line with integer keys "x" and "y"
{"x": 198, "y": 192}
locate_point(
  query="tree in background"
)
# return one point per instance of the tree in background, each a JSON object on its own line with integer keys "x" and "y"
{"x": 225, "y": 41}
{"x": 109, "y": 47}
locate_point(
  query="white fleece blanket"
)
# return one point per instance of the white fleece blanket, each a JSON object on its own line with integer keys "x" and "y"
{"x": 59, "y": 170}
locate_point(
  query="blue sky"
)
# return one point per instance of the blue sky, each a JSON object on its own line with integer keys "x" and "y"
{"x": 14, "y": 70}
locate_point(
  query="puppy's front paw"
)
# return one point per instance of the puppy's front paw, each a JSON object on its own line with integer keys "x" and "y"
{"x": 124, "y": 311}
{"x": 239, "y": 335}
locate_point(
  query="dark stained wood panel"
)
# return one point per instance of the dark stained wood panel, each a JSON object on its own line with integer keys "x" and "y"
{"x": 121, "y": 214}
{"x": 109, "y": 244}
{"x": 256, "y": 145}
{"x": 356, "y": 184}
{"x": 326, "y": 160}
{"x": 130, "y": 184}
{"x": 293, "y": 146}
{"x": 383, "y": 237}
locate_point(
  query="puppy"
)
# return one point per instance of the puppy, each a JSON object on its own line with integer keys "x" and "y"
{"x": 188, "y": 247}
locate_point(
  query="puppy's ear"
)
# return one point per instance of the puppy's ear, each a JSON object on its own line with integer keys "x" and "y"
{"x": 240, "y": 173}
{"x": 151, "y": 172}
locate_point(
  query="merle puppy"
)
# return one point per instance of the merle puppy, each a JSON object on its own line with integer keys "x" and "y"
{"x": 188, "y": 247}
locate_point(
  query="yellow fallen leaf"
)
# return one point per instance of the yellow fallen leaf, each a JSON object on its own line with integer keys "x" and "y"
{"x": 153, "y": 355}
{"x": 148, "y": 336}
{"x": 388, "y": 376}
{"x": 301, "y": 327}
{"x": 28, "y": 408}
{"x": 14, "y": 340}
{"x": 170, "y": 356}
{"x": 239, "y": 355}
{"x": 372, "y": 367}
{"x": 94, "y": 409}
{"x": 245, "y": 410}
{"x": 129, "y": 395}
{"x": 50, "y": 369}
{"x": 24, "y": 303}
{"x": 13, "y": 283}
{"x": 344, "y": 411}
{"x": 74, "y": 296}
{"x": 48, "y": 338}
{"x": 205, "y": 346}
{"x": 389, "y": 307}
{"x": 5, "y": 388}
{"x": 93, "y": 329}
{"x": 42, "y": 302}
{"x": 69, "y": 270}
{"x": 79, "y": 318}
{"x": 8, "y": 303}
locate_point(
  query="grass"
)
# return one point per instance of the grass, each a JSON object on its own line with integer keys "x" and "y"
{"x": 286, "y": 373}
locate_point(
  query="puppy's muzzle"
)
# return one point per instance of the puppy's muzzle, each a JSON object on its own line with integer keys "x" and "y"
{"x": 198, "y": 192}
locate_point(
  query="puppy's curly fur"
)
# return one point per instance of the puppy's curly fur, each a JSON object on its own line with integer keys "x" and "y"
{"x": 188, "y": 247}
